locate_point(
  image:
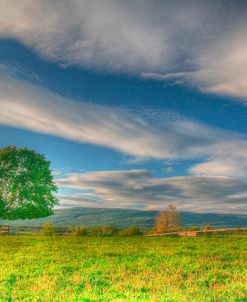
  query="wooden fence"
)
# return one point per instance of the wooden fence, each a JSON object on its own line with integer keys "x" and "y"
{"x": 201, "y": 233}
{"x": 35, "y": 230}
{"x": 4, "y": 229}
{"x": 29, "y": 230}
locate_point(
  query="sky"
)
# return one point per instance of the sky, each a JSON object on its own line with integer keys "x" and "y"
{"x": 137, "y": 104}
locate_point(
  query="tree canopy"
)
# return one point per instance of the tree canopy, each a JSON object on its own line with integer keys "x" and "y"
{"x": 26, "y": 184}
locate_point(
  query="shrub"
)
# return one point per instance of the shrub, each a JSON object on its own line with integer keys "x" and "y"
{"x": 48, "y": 229}
{"x": 207, "y": 227}
{"x": 148, "y": 231}
{"x": 108, "y": 230}
{"x": 105, "y": 230}
{"x": 96, "y": 231}
{"x": 130, "y": 231}
{"x": 195, "y": 228}
{"x": 78, "y": 231}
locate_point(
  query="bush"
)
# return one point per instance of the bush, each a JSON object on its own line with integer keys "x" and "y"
{"x": 195, "y": 228}
{"x": 108, "y": 230}
{"x": 148, "y": 231}
{"x": 48, "y": 229}
{"x": 130, "y": 231}
{"x": 207, "y": 227}
{"x": 96, "y": 231}
{"x": 78, "y": 231}
{"x": 105, "y": 230}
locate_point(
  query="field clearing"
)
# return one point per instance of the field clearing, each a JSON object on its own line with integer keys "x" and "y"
{"x": 37, "y": 268}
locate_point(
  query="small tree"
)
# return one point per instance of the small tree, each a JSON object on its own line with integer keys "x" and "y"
{"x": 173, "y": 217}
{"x": 48, "y": 229}
{"x": 26, "y": 185}
{"x": 161, "y": 222}
{"x": 167, "y": 220}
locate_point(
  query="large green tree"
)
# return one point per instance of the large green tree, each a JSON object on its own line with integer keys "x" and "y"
{"x": 26, "y": 185}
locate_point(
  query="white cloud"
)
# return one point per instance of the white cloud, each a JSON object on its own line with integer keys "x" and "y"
{"x": 23, "y": 105}
{"x": 138, "y": 189}
{"x": 223, "y": 69}
{"x": 203, "y": 43}
{"x": 236, "y": 167}
{"x": 26, "y": 106}
{"x": 110, "y": 34}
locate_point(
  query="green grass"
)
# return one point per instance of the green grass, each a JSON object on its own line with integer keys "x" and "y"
{"x": 123, "y": 269}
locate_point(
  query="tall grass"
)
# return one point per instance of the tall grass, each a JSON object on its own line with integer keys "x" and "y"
{"x": 123, "y": 268}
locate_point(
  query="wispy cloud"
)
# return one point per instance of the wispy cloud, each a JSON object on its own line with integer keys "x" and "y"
{"x": 26, "y": 106}
{"x": 138, "y": 189}
{"x": 201, "y": 43}
{"x": 233, "y": 166}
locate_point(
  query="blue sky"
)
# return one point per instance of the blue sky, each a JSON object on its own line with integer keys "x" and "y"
{"x": 137, "y": 104}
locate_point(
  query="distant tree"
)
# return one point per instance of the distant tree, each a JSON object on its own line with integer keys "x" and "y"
{"x": 173, "y": 217}
{"x": 167, "y": 220}
{"x": 26, "y": 185}
{"x": 48, "y": 229}
{"x": 161, "y": 222}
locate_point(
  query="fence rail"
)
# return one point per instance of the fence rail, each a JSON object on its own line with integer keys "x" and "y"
{"x": 28, "y": 230}
{"x": 4, "y": 229}
{"x": 35, "y": 230}
{"x": 200, "y": 233}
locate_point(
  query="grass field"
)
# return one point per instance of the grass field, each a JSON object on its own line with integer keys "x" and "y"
{"x": 123, "y": 269}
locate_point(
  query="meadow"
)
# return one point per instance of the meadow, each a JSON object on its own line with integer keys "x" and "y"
{"x": 101, "y": 269}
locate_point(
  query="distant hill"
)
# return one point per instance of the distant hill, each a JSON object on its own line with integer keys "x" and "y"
{"x": 126, "y": 217}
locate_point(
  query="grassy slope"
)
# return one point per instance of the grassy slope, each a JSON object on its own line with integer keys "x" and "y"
{"x": 124, "y": 218}
{"x": 123, "y": 269}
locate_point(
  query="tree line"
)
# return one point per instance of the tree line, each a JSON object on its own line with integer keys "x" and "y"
{"x": 166, "y": 221}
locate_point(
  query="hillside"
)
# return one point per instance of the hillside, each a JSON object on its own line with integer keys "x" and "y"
{"x": 126, "y": 217}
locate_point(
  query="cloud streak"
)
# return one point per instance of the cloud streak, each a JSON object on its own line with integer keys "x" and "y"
{"x": 138, "y": 189}
{"x": 26, "y": 106}
{"x": 200, "y": 43}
